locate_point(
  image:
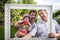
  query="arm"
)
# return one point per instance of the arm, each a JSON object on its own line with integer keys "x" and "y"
{"x": 54, "y": 35}
{"x": 29, "y": 24}
{"x": 27, "y": 36}
{"x": 57, "y": 34}
{"x": 17, "y": 24}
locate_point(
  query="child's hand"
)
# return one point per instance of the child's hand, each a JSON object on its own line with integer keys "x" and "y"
{"x": 20, "y": 21}
{"x": 25, "y": 22}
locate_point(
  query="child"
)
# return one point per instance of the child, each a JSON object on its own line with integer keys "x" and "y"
{"x": 24, "y": 25}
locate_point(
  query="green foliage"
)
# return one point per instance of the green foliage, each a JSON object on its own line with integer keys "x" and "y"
{"x": 2, "y": 4}
{"x": 56, "y": 15}
{"x": 2, "y": 32}
{"x": 28, "y": 2}
{"x": 16, "y": 14}
{"x": 13, "y": 31}
{"x": 58, "y": 20}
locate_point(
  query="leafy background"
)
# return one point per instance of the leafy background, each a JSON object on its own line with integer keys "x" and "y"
{"x": 18, "y": 14}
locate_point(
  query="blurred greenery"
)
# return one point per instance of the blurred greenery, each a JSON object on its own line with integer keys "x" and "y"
{"x": 56, "y": 15}
{"x": 2, "y": 32}
{"x": 13, "y": 31}
{"x": 17, "y": 14}
{"x": 2, "y": 3}
{"x": 14, "y": 13}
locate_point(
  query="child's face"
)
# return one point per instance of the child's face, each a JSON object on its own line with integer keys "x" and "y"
{"x": 26, "y": 18}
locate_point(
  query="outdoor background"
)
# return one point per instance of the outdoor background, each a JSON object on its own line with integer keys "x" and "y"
{"x": 17, "y": 14}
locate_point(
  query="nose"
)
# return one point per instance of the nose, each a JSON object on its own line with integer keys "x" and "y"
{"x": 41, "y": 14}
{"x": 32, "y": 16}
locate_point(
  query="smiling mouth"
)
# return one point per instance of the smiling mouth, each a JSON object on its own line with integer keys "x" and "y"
{"x": 43, "y": 17}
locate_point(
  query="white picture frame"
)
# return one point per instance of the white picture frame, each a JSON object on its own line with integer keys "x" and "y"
{"x": 24, "y": 6}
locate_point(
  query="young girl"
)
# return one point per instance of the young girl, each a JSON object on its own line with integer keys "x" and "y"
{"x": 24, "y": 25}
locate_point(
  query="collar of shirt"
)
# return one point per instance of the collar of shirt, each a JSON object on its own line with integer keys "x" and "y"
{"x": 40, "y": 20}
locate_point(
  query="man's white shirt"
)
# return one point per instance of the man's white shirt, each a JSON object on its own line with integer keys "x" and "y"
{"x": 42, "y": 28}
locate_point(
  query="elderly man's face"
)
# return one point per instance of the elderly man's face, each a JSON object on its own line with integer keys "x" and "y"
{"x": 44, "y": 15}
